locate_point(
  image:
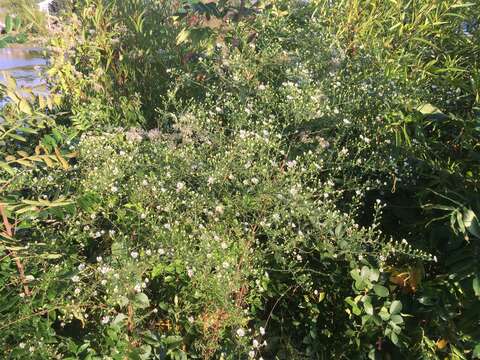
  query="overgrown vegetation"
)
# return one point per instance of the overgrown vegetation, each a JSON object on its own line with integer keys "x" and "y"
{"x": 12, "y": 33}
{"x": 283, "y": 180}
{"x": 27, "y": 11}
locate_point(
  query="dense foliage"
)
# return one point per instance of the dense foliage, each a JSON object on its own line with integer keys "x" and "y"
{"x": 283, "y": 180}
{"x": 12, "y": 32}
{"x": 34, "y": 21}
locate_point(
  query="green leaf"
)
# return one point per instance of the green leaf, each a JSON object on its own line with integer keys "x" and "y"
{"x": 183, "y": 36}
{"x": 380, "y": 290}
{"x": 384, "y": 314}
{"x": 17, "y": 23}
{"x": 365, "y": 319}
{"x": 7, "y": 168}
{"x": 365, "y": 273}
{"x": 174, "y": 339}
{"x": 17, "y": 137}
{"x": 476, "y": 351}
{"x": 141, "y": 301}
{"x": 396, "y": 319}
{"x": 119, "y": 319}
{"x": 430, "y": 111}
{"x": 339, "y": 230}
{"x": 470, "y": 222}
{"x": 396, "y": 307}
{"x": 8, "y": 24}
{"x": 25, "y": 107}
{"x": 52, "y": 256}
{"x": 368, "y": 308}
{"x": 394, "y": 338}
{"x": 151, "y": 338}
{"x": 426, "y": 300}
{"x": 355, "y": 274}
{"x": 355, "y": 309}
{"x": 476, "y": 285}
{"x": 374, "y": 275}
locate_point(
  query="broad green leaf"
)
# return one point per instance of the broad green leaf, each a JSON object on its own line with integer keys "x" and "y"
{"x": 365, "y": 273}
{"x": 141, "y": 301}
{"x": 470, "y": 222}
{"x": 368, "y": 308}
{"x": 365, "y": 319}
{"x": 394, "y": 338}
{"x": 396, "y": 319}
{"x": 355, "y": 274}
{"x": 384, "y": 314}
{"x": 119, "y": 319}
{"x": 25, "y": 107}
{"x": 174, "y": 339}
{"x": 374, "y": 275}
{"x": 380, "y": 290}
{"x": 396, "y": 307}
{"x": 339, "y": 230}
{"x": 428, "y": 109}
{"x": 476, "y": 351}
{"x": 355, "y": 309}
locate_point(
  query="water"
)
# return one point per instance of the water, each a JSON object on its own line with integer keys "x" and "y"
{"x": 25, "y": 65}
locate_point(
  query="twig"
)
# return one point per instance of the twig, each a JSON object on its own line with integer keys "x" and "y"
{"x": 278, "y": 300}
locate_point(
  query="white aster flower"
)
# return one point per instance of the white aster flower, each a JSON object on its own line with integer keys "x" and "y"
{"x": 180, "y": 186}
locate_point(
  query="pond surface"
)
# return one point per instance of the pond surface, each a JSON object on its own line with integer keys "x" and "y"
{"x": 25, "y": 65}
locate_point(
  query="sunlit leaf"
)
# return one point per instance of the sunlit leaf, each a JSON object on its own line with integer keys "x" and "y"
{"x": 395, "y": 307}
{"x": 182, "y": 36}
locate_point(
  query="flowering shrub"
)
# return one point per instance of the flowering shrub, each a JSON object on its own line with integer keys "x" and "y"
{"x": 291, "y": 180}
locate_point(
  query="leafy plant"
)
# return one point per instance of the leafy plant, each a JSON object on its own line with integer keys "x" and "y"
{"x": 284, "y": 180}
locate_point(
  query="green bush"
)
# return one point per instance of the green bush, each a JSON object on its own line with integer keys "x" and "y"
{"x": 288, "y": 180}
{"x": 34, "y": 21}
